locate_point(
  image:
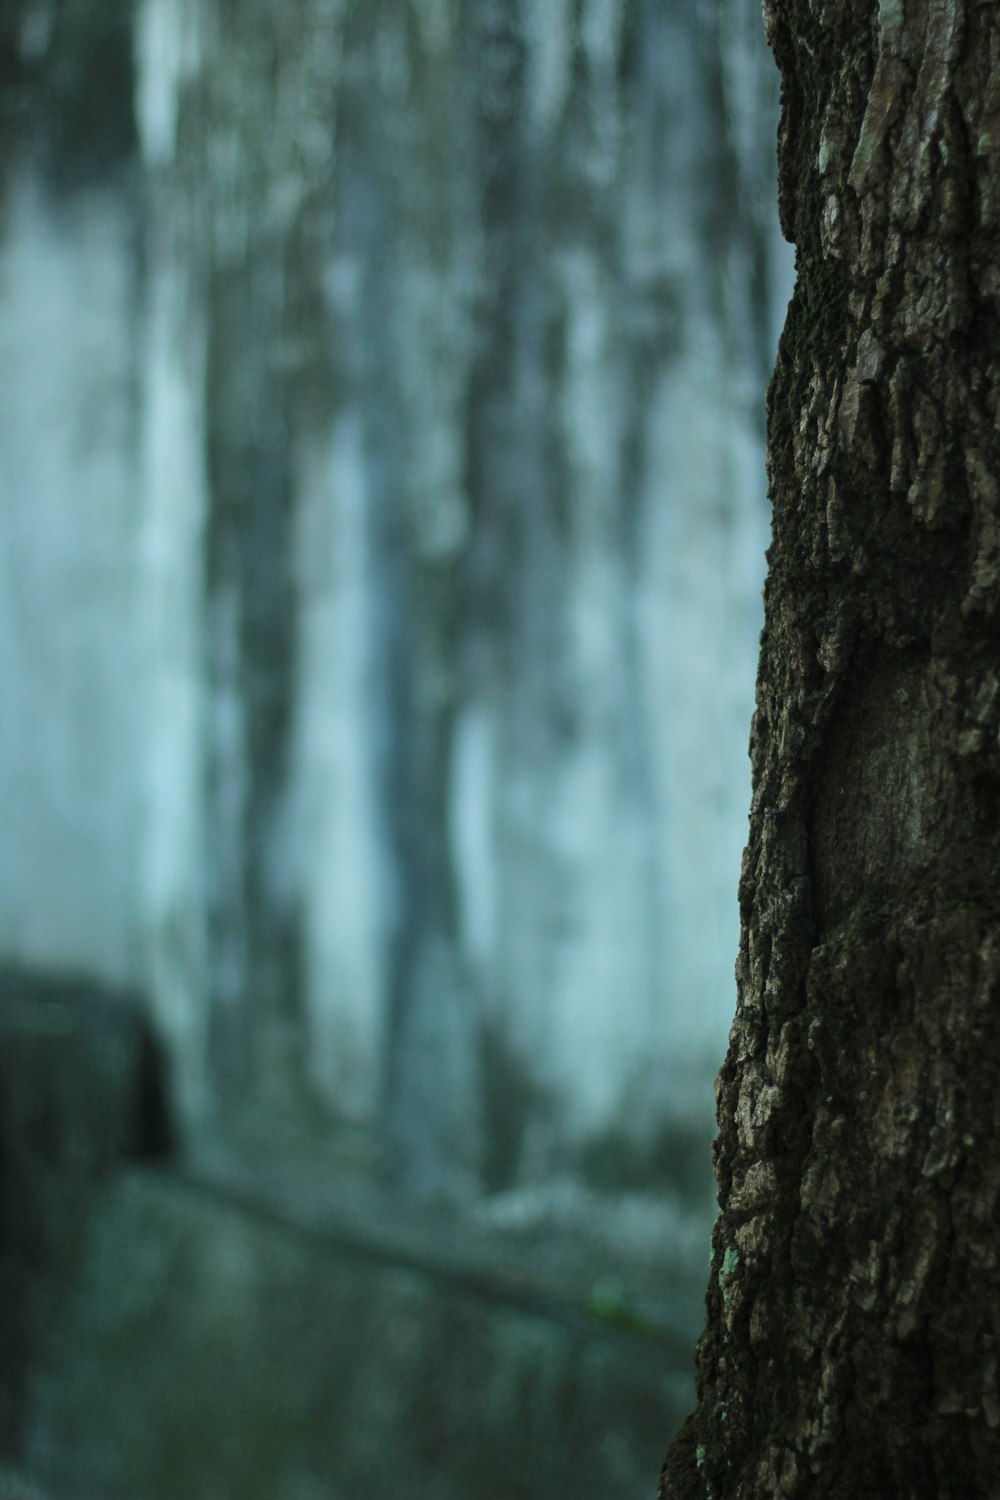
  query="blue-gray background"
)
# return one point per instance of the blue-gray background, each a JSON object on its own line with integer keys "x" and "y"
{"x": 382, "y": 528}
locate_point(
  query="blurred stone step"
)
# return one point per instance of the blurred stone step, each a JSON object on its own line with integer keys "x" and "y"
{"x": 569, "y": 1254}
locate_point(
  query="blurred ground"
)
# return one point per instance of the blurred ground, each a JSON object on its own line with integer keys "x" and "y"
{"x": 263, "y": 1319}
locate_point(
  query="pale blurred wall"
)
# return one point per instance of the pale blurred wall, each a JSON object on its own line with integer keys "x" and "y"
{"x": 383, "y": 509}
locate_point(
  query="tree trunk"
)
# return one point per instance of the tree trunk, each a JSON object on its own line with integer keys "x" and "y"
{"x": 852, "y": 1335}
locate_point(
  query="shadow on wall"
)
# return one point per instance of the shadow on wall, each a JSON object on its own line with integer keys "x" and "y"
{"x": 82, "y": 1089}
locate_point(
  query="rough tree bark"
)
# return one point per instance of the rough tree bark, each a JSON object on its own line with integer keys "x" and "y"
{"x": 853, "y": 1309}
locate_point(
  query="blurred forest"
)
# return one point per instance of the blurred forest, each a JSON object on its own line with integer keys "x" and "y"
{"x": 382, "y": 524}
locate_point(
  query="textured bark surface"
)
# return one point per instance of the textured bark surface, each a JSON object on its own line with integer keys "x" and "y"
{"x": 851, "y": 1343}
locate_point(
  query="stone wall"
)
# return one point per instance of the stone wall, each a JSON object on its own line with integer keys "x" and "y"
{"x": 384, "y": 517}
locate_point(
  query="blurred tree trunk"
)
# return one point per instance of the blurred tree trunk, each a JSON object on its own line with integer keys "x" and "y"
{"x": 853, "y": 1309}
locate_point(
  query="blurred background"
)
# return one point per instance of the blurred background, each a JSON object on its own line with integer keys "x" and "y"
{"x": 382, "y": 530}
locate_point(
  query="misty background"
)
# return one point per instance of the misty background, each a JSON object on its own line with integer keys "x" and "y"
{"x": 382, "y": 530}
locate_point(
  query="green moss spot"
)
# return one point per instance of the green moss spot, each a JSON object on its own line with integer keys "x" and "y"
{"x": 607, "y": 1298}
{"x": 608, "y": 1302}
